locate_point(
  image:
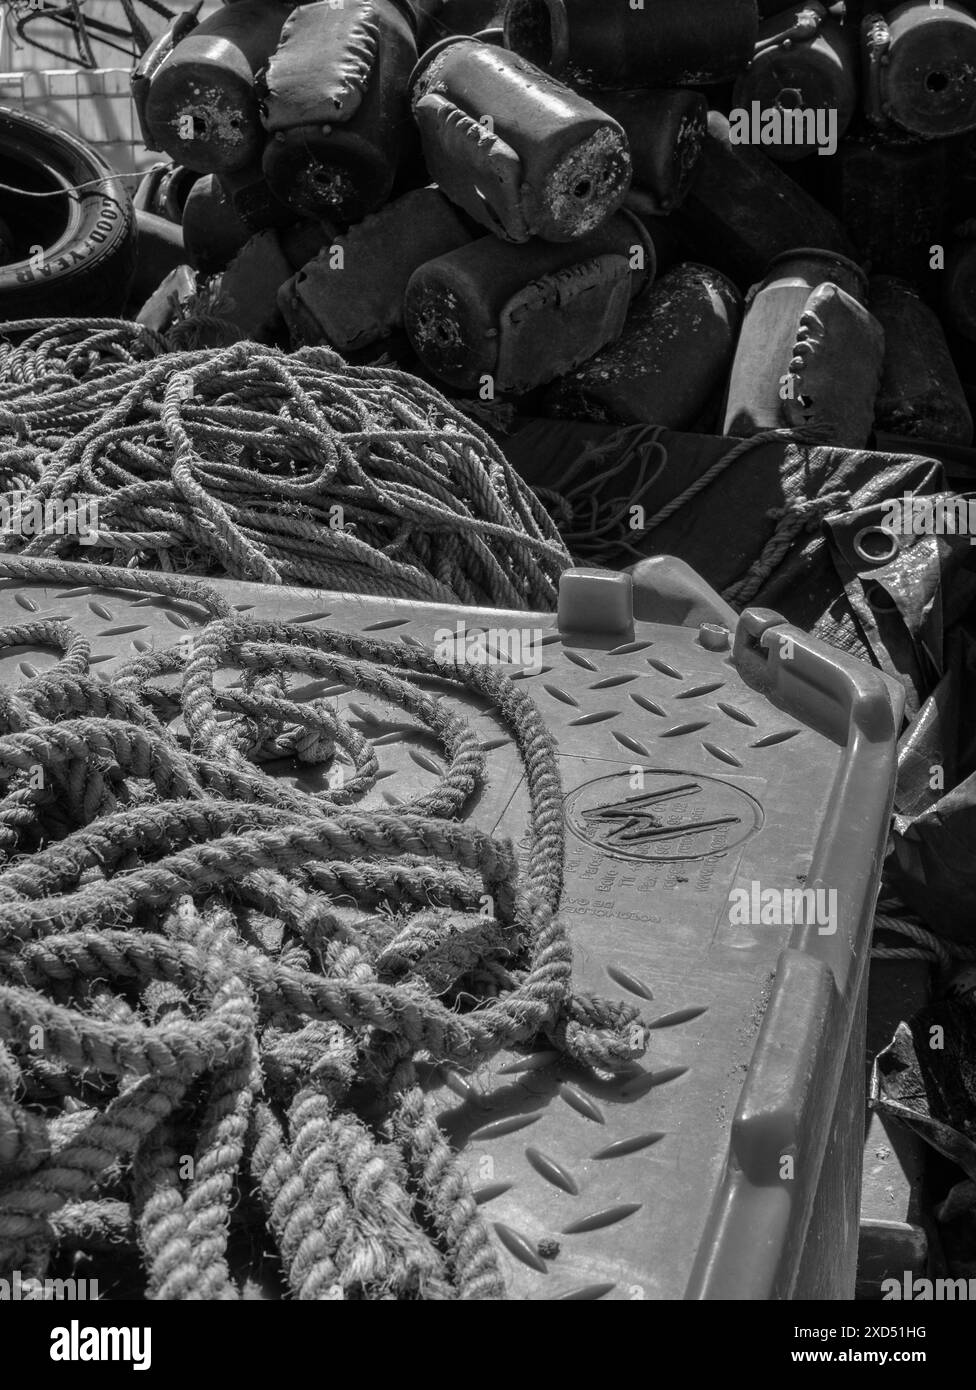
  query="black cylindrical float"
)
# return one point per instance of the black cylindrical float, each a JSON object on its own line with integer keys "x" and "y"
{"x": 213, "y": 233}
{"x": 920, "y": 68}
{"x": 519, "y": 151}
{"x": 352, "y": 293}
{"x": 666, "y": 132}
{"x": 199, "y": 104}
{"x": 809, "y": 352}
{"x": 805, "y": 62}
{"x": 890, "y": 195}
{"x": 514, "y": 317}
{"x": 670, "y": 361}
{"x": 742, "y": 210}
{"x": 335, "y": 104}
{"x": 657, "y": 43}
{"x": 921, "y": 395}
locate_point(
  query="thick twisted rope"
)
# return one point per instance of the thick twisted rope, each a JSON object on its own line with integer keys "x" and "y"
{"x": 214, "y": 986}
{"x": 801, "y": 514}
{"x": 249, "y": 463}
{"x": 806, "y": 435}
{"x": 940, "y": 950}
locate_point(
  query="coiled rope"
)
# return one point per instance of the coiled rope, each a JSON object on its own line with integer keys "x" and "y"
{"x": 939, "y": 950}
{"x": 255, "y": 464}
{"x": 217, "y": 990}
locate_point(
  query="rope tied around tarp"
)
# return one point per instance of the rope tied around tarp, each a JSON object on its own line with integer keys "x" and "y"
{"x": 251, "y": 463}
{"x": 221, "y": 992}
{"x": 798, "y": 515}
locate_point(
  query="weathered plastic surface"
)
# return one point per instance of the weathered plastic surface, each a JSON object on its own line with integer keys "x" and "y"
{"x": 921, "y": 395}
{"x": 198, "y": 104}
{"x": 671, "y": 359}
{"x": 249, "y": 287}
{"x": 337, "y": 107}
{"x": 526, "y": 314}
{"x": 890, "y": 195}
{"x": 253, "y": 199}
{"x": 918, "y": 68}
{"x": 759, "y": 396}
{"x": 212, "y": 230}
{"x": 665, "y": 131}
{"x": 742, "y": 210}
{"x": 330, "y": 86}
{"x": 804, "y": 60}
{"x": 763, "y": 762}
{"x": 353, "y": 300}
{"x": 654, "y": 44}
{"x": 517, "y": 150}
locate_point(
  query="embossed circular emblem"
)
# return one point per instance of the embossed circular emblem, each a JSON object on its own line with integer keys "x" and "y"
{"x": 673, "y": 815}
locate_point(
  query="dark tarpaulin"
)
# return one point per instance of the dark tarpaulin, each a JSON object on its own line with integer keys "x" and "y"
{"x": 911, "y": 615}
{"x": 926, "y": 1078}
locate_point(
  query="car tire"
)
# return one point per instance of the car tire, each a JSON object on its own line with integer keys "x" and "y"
{"x": 71, "y": 256}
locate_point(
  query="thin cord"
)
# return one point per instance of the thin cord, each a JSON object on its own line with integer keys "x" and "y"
{"x": 60, "y": 192}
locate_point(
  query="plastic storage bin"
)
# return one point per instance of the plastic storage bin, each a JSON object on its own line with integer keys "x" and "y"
{"x": 699, "y": 754}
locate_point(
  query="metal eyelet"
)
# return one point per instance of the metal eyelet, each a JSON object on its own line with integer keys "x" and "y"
{"x": 876, "y": 545}
{"x": 880, "y": 599}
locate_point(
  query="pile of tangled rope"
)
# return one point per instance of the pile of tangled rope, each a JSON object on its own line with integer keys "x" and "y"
{"x": 261, "y": 465}
{"x": 220, "y": 995}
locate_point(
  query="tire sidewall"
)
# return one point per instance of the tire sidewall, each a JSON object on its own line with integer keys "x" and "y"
{"x": 90, "y": 265}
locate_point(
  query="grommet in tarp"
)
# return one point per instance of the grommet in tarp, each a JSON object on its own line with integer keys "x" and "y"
{"x": 876, "y": 545}
{"x": 880, "y": 599}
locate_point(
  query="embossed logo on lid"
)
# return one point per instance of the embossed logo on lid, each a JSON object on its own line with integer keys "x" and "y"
{"x": 662, "y": 815}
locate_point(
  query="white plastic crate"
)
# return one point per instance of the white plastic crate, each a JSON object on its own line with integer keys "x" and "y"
{"x": 96, "y": 105}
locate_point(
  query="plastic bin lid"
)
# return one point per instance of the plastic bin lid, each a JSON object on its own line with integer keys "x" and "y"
{"x": 698, "y": 766}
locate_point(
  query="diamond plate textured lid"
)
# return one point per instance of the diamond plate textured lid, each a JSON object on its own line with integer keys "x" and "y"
{"x": 703, "y": 761}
